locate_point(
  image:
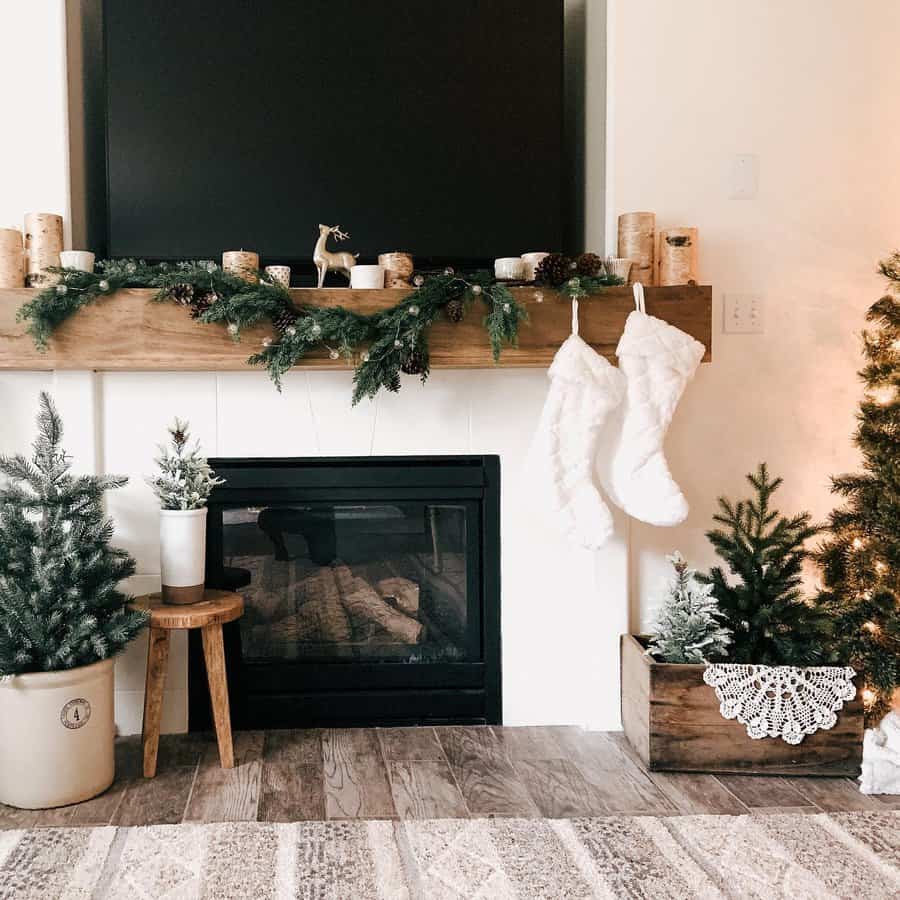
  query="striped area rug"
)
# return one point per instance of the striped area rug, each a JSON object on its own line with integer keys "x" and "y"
{"x": 847, "y": 855}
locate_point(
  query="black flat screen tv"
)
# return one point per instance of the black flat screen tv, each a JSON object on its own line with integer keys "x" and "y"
{"x": 432, "y": 126}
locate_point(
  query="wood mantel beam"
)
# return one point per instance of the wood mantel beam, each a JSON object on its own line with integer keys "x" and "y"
{"x": 128, "y": 331}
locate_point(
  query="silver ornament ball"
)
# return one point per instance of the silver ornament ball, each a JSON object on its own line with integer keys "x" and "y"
{"x": 414, "y": 310}
{"x": 476, "y": 289}
{"x": 449, "y": 270}
{"x": 506, "y": 307}
{"x": 398, "y": 343}
{"x": 290, "y": 331}
{"x": 103, "y": 285}
{"x": 62, "y": 289}
{"x": 538, "y": 296}
{"x": 419, "y": 280}
{"x": 333, "y": 354}
{"x": 316, "y": 329}
{"x": 131, "y": 268}
{"x": 267, "y": 342}
{"x": 232, "y": 328}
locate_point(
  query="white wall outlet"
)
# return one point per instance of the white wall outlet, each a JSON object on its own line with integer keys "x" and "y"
{"x": 743, "y": 314}
{"x": 744, "y": 177}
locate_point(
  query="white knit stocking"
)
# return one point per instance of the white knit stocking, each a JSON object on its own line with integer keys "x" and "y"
{"x": 657, "y": 360}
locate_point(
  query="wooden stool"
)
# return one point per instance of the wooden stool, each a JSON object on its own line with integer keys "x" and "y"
{"x": 215, "y": 610}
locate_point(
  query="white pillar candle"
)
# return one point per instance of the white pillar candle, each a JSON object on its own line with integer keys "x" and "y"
{"x": 279, "y": 275}
{"x": 242, "y": 263}
{"x": 509, "y": 268}
{"x": 532, "y": 260}
{"x": 83, "y": 260}
{"x": 12, "y": 258}
{"x": 367, "y": 277}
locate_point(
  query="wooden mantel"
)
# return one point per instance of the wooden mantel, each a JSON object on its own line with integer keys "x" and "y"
{"x": 129, "y": 331}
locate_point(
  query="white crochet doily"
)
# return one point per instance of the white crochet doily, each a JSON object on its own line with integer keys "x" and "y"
{"x": 781, "y": 701}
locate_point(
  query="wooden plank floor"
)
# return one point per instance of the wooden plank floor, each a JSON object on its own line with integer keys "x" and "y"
{"x": 410, "y": 773}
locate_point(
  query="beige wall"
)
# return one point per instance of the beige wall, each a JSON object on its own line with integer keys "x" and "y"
{"x": 34, "y": 149}
{"x": 812, "y": 88}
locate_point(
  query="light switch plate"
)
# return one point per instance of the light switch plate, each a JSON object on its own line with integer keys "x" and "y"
{"x": 743, "y": 314}
{"x": 744, "y": 177}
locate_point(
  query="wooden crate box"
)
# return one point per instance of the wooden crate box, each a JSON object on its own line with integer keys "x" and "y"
{"x": 672, "y": 719}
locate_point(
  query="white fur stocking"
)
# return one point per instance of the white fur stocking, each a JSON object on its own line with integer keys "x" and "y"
{"x": 584, "y": 388}
{"x": 657, "y": 360}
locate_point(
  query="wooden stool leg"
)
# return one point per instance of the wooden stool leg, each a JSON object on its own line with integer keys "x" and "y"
{"x": 214, "y": 654}
{"x": 157, "y": 661}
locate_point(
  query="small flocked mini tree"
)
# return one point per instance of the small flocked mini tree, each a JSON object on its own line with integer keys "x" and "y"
{"x": 763, "y": 601}
{"x": 60, "y": 605}
{"x": 861, "y": 557}
{"x": 185, "y": 478}
{"x": 689, "y": 625}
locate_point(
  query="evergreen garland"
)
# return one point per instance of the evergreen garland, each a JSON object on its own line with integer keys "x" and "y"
{"x": 860, "y": 559}
{"x": 381, "y": 345}
{"x": 60, "y": 606}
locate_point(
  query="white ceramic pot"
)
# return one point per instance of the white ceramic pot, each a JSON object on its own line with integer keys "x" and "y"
{"x": 182, "y": 554}
{"x": 57, "y": 736}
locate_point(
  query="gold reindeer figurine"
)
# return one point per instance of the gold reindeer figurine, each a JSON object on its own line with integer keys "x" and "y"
{"x": 325, "y": 260}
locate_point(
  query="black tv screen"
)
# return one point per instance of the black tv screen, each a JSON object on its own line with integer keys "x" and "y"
{"x": 432, "y": 126}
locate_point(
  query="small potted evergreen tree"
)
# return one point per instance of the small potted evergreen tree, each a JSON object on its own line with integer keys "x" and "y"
{"x": 681, "y": 715}
{"x": 62, "y": 620}
{"x": 183, "y": 486}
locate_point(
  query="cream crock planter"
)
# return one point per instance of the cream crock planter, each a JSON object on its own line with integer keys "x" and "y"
{"x": 182, "y": 554}
{"x": 57, "y": 736}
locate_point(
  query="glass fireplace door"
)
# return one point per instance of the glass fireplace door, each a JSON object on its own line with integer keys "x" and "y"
{"x": 333, "y": 582}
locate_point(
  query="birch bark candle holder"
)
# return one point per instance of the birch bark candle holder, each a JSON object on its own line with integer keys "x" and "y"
{"x": 242, "y": 263}
{"x": 532, "y": 261}
{"x": 82, "y": 260}
{"x": 637, "y": 242}
{"x": 677, "y": 256}
{"x": 398, "y": 268}
{"x": 12, "y": 258}
{"x": 43, "y": 244}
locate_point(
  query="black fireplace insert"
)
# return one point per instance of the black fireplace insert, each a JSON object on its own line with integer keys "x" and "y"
{"x": 371, "y": 588}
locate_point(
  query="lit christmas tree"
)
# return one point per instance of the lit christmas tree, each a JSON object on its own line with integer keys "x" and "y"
{"x": 861, "y": 558}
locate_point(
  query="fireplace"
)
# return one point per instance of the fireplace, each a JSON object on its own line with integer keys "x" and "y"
{"x": 371, "y": 587}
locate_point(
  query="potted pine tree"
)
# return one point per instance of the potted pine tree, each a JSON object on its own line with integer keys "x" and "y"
{"x": 62, "y": 620}
{"x": 682, "y": 715}
{"x": 183, "y": 486}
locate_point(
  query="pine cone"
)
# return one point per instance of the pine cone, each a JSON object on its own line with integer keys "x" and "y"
{"x": 588, "y": 265}
{"x": 553, "y": 269}
{"x": 201, "y": 304}
{"x": 284, "y": 320}
{"x": 455, "y": 310}
{"x": 182, "y": 293}
{"x": 413, "y": 363}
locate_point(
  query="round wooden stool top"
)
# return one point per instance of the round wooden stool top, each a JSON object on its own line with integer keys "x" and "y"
{"x": 216, "y": 608}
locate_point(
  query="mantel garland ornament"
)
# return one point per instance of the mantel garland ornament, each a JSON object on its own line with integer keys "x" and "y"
{"x": 380, "y": 346}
